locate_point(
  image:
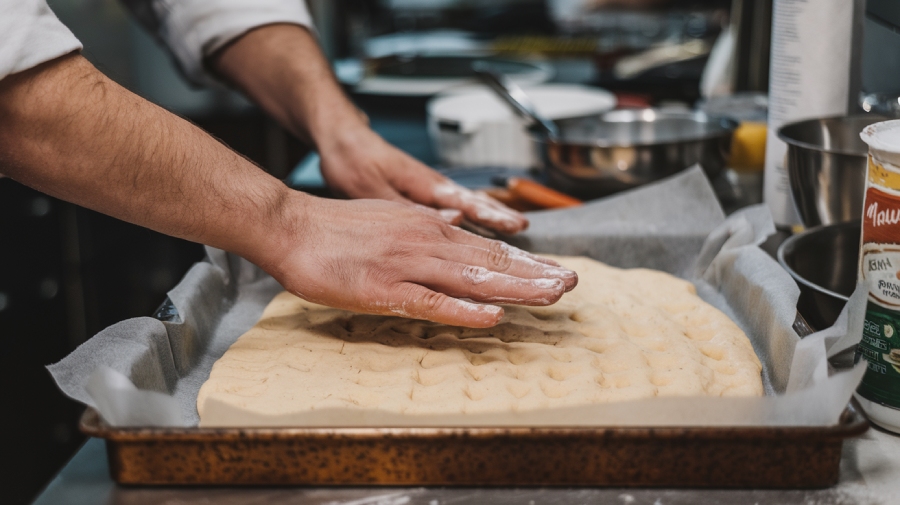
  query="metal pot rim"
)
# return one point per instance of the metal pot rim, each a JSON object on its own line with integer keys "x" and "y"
{"x": 817, "y": 148}
{"x": 791, "y": 241}
{"x": 727, "y": 131}
{"x": 615, "y": 145}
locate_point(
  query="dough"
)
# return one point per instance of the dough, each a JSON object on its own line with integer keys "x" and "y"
{"x": 619, "y": 335}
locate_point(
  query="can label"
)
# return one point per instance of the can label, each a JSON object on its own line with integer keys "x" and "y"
{"x": 879, "y": 269}
{"x": 880, "y": 346}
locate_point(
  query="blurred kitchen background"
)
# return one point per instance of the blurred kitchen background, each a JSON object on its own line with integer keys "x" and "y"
{"x": 69, "y": 272}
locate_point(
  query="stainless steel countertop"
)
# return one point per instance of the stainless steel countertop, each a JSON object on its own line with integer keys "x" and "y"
{"x": 870, "y": 474}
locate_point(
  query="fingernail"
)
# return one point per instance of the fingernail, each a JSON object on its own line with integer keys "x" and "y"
{"x": 493, "y": 310}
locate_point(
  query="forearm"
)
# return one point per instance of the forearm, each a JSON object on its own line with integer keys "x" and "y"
{"x": 281, "y": 68}
{"x": 70, "y": 132}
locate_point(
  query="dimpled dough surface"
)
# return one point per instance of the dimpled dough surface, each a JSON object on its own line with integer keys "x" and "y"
{"x": 619, "y": 335}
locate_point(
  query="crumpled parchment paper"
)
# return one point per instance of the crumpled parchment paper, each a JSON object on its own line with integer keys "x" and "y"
{"x": 144, "y": 372}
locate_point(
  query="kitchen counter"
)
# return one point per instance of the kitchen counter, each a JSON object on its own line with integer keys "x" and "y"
{"x": 869, "y": 475}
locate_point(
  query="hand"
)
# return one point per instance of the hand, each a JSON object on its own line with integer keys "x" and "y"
{"x": 281, "y": 68}
{"x": 360, "y": 164}
{"x": 388, "y": 258}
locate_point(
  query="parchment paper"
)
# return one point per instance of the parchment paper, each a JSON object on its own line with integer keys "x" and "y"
{"x": 143, "y": 372}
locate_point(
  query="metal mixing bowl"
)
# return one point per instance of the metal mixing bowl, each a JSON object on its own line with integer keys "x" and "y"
{"x": 598, "y": 155}
{"x": 826, "y": 165}
{"x": 824, "y": 262}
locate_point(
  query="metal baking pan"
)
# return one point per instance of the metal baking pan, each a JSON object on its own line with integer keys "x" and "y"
{"x": 676, "y": 457}
{"x": 701, "y": 457}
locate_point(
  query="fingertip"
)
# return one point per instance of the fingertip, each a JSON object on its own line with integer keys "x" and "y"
{"x": 540, "y": 292}
{"x": 558, "y": 288}
{"x": 497, "y": 217}
{"x": 568, "y": 277}
{"x": 523, "y": 221}
{"x": 516, "y": 224}
{"x": 510, "y": 229}
{"x": 476, "y": 315}
{"x": 490, "y": 315}
{"x": 571, "y": 283}
{"x": 506, "y": 226}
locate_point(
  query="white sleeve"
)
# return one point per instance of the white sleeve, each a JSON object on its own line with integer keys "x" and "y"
{"x": 30, "y": 34}
{"x": 194, "y": 29}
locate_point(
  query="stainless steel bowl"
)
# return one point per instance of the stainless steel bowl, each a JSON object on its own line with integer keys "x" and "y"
{"x": 826, "y": 165}
{"x": 623, "y": 149}
{"x": 824, "y": 262}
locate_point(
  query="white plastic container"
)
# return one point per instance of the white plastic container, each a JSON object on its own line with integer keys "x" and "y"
{"x": 475, "y": 128}
{"x": 879, "y": 269}
{"x": 813, "y": 72}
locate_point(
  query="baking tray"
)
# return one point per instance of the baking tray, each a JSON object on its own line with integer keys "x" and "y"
{"x": 700, "y": 457}
{"x": 676, "y": 457}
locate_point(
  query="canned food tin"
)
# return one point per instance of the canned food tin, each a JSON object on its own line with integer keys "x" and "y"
{"x": 879, "y": 269}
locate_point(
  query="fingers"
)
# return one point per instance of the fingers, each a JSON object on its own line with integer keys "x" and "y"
{"x": 452, "y": 216}
{"x": 479, "y": 208}
{"x": 423, "y": 185}
{"x": 374, "y": 169}
{"x": 464, "y": 237}
{"x": 500, "y": 257}
{"x": 483, "y": 285}
{"x": 419, "y": 302}
{"x": 438, "y": 284}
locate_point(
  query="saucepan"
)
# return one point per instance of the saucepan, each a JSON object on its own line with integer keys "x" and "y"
{"x": 598, "y": 155}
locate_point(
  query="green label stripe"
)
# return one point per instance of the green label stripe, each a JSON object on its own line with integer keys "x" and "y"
{"x": 881, "y": 334}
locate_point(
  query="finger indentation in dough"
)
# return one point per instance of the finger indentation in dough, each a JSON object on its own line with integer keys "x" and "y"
{"x": 660, "y": 379}
{"x": 474, "y": 392}
{"x": 713, "y": 351}
{"x": 522, "y": 356}
{"x": 560, "y": 355}
{"x": 554, "y": 389}
{"x": 518, "y": 388}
